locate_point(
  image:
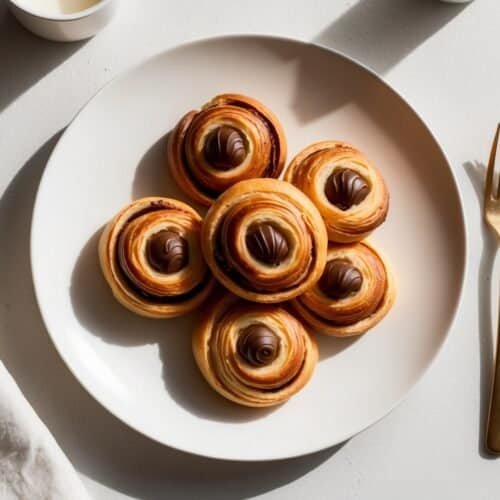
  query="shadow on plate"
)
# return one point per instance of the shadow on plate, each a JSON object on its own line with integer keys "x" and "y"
{"x": 187, "y": 387}
{"x": 331, "y": 346}
{"x": 477, "y": 172}
{"x": 27, "y": 57}
{"x": 153, "y": 178}
{"x": 98, "y": 444}
{"x": 98, "y": 311}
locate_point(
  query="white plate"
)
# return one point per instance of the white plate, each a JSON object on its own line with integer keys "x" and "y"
{"x": 142, "y": 370}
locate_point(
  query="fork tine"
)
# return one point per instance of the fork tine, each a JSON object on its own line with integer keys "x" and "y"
{"x": 492, "y": 160}
{"x": 491, "y": 169}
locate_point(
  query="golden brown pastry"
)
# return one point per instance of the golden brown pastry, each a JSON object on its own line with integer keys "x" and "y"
{"x": 232, "y": 138}
{"x": 346, "y": 188}
{"x": 354, "y": 293}
{"x": 253, "y": 354}
{"x": 150, "y": 256}
{"x": 264, "y": 240}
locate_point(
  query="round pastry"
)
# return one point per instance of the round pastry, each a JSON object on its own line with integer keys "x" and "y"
{"x": 264, "y": 240}
{"x": 150, "y": 256}
{"x": 354, "y": 293}
{"x": 253, "y": 354}
{"x": 232, "y": 138}
{"x": 346, "y": 188}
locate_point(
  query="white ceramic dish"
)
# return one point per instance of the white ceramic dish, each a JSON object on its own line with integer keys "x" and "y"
{"x": 64, "y": 27}
{"x": 142, "y": 370}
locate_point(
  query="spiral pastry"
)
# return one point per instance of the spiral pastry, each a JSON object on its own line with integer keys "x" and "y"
{"x": 346, "y": 188}
{"x": 232, "y": 138}
{"x": 254, "y": 354}
{"x": 150, "y": 256}
{"x": 264, "y": 240}
{"x": 354, "y": 293}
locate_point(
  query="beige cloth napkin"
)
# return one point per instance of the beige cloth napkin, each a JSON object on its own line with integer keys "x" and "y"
{"x": 32, "y": 466}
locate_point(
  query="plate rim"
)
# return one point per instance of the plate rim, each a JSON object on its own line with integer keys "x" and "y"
{"x": 263, "y": 37}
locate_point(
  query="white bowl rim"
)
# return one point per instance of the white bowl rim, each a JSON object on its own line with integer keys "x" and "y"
{"x": 463, "y": 220}
{"x": 22, "y": 5}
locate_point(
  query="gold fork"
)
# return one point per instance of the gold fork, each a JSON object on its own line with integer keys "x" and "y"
{"x": 492, "y": 217}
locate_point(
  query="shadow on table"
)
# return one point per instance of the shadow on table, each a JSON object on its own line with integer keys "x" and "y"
{"x": 380, "y": 33}
{"x": 97, "y": 443}
{"x": 25, "y": 58}
{"x": 476, "y": 172}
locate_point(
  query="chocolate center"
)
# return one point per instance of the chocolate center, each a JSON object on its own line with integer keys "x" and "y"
{"x": 258, "y": 345}
{"x": 225, "y": 148}
{"x": 345, "y": 188}
{"x": 267, "y": 244}
{"x": 340, "y": 279}
{"x": 167, "y": 252}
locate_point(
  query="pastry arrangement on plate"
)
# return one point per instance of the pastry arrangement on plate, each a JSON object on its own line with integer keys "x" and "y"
{"x": 272, "y": 261}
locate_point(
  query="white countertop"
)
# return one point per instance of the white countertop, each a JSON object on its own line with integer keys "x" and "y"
{"x": 444, "y": 58}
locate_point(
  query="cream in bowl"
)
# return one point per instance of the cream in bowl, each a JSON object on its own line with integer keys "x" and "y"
{"x": 63, "y": 20}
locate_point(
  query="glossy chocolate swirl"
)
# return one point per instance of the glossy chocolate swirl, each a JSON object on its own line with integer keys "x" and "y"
{"x": 267, "y": 244}
{"x": 167, "y": 252}
{"x": 225, "y": 148}
{"x": 340, "y": 279}
{"x": 258, "y": 345}
{"x": 345, "y": 188}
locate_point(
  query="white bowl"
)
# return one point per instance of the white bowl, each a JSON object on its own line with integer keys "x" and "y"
{"x": 64, "y": 27}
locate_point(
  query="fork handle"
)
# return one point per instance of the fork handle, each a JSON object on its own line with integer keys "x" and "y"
{"x": 493, "y": 426}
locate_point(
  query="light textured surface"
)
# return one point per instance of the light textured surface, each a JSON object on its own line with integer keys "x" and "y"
{"x": 444, "y": 59}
